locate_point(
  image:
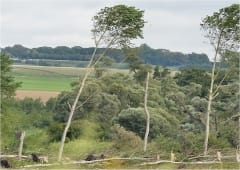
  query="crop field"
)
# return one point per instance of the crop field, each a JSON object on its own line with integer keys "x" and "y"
{"x": 46, "y": 78}
{"x": 45, "y": 82}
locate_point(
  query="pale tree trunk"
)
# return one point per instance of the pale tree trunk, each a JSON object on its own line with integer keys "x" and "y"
{"x": 147, "y": 114}
{"x": 21, "y": 145}
{"x": 89, "y": 68}
{"x": 208, "y": 116}
{"x": 71, "y": 114}
{"x": 239, "y": 130}
{"x": 73, "y": 107}
{"x": 210, "y": 98}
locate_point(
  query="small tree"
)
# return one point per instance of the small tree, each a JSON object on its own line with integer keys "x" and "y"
{"x": 156, "y": 74}
{"x": 112, "y": 26}
{"x": 8, "y": 85}
{"x": 222, "y": 30}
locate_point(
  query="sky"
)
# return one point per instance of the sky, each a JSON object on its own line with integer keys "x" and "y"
{"x": 171, "y": 24}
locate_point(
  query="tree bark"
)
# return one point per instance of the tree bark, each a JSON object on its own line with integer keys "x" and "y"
{"x": 89, "y": 68}
{"x": 21, "y": 145}
{"x": 239, "y": 130}
{"x": 73, "y": 107}
{"x": 210, "y": 98}
{"x": 147, "y": 114}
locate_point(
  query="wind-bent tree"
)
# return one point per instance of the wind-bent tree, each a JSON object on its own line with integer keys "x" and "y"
{"x": 222, "y": 30}
{"x": 112, "y": 27}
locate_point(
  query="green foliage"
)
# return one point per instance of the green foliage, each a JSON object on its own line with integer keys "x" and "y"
{"x": 120, "y": 22}
{"x": 56, "y": 129}
{"x": 191, "y": 143}
{"x": 133, "y": 119}
{"x": 8, "y": 85}
{"x": 125, "y": 140}
{"x": 185, "y": 77}
{"x": 29, "y": 105}
{"x": 215, "y": 142}
{"x": 15, "y": 118}
{"x": 109, "y": 107}
{"x": 131, "y": 57}
{"x": 141, "y": 73}
{"x": 222, "y": 28}
{"x": 165, "y": 145}
{"x": 79, "y": 56}
{"x": 156, "y": 74}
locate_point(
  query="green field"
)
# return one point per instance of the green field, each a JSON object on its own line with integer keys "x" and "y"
{"x": 49, "y": 78}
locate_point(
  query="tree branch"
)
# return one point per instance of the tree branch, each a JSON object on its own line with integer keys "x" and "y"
{"x": 90, "y": 96}
{"x": 220, "y": 83}
{"x": 105, "y": 51}
{"x": 69, "y": 106}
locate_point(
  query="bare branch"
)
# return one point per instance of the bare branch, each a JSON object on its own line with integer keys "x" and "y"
{"x": 84, "y": 102}
{"x": 69, "y": 105}
{"x": 220, "y": 83}
{"x": 214, "y": 96}
{"x": 105, "y": 51}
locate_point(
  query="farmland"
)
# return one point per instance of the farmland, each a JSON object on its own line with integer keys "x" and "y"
{"x": 44, "y": 78}
{"x": 44, "y": 82}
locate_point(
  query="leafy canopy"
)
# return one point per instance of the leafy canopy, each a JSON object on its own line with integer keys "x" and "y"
{"x": 222, "y": 28}
{"x": 118, "y": 24}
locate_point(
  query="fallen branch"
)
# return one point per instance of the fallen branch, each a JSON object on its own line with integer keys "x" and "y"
{"x": 84, "y": 162}
{"x": 197, "y": 157}
{"x": 12, "y": 156}
{"x": 167, "y": 161}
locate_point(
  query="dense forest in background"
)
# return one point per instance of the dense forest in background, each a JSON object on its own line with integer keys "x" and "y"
{"x": 147, "y": 54}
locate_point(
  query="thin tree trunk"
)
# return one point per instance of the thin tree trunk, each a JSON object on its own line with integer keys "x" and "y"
{"x": 210, "y": 98}
{"x": 89, "y": 68}
{"x": 239, "y": 131}
{"x": 21, "y": 145}
{"x": 73, "y": 107}
{"x": 216, "y": 122}
{"x": 147, "y": 115}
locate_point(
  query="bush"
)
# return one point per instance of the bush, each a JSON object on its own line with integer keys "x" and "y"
{"x": 30, "y": 105}
{"x": 191, "y": 143}
{"x": 166, "y": 144}
{"x": 217, "y": 143}
{"x": 134, "y": 119}
{"x": 56, "y": 129}
{"x": 124, "y": 140}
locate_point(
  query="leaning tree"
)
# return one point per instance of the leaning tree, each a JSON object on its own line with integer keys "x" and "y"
{"x": 222, "y": 30}
{"x": 112, "y": 27}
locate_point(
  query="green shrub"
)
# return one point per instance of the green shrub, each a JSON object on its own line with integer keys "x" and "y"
{"x": 125, "y": 140}
{"x": 165, "y": 144}
{"x": 191, "y": 143}
{"x": 134, "y": 119}
{"x": 217, "y": 142}
{"x": 56, "y": 129}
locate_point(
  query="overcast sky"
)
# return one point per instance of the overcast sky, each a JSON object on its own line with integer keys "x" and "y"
{"x": 171, "y": 24}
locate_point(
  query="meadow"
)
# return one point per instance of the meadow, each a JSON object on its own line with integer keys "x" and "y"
{"x": 46, "y": 78}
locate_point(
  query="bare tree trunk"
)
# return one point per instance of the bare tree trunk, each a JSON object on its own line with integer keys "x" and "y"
{"x": 239, "y": 130}
{"x": 210, "y": 98}
{"x": 73, "y": 107}
{"x": 147, "y": 115}
{"x": 21, "y": 145}
{"x": 89, "y": 68}
{"x": 216, "y": 122}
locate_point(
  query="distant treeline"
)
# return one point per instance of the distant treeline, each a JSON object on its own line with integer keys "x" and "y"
{"x": 147, "y": 54}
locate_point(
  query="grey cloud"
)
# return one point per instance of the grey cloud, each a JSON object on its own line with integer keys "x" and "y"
{"x": 171, "y": 24}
